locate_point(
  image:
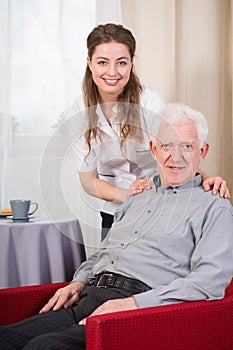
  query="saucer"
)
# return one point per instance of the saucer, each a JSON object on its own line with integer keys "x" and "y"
{"x": 3, "y": 216}
{"x": 22, "y": 219}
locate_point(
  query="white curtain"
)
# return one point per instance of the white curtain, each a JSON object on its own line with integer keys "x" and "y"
{"x": 42, "y": 62}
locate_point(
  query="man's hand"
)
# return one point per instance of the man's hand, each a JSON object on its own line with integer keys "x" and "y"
{"x": 64, "y": 297}
{"x": 216, "y": 183}
{"x": 113, "y": 306}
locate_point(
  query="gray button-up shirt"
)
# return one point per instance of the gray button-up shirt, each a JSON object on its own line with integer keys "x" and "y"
{"x": 178, "y": 240}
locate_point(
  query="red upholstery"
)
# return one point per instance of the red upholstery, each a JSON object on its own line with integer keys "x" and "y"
{"x": 187, "y": 326}
{"x": 201, "y": 325}
{"x": 21, "y": 302}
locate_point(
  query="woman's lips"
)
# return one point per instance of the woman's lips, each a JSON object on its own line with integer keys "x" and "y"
{"x": 111, "y": 82}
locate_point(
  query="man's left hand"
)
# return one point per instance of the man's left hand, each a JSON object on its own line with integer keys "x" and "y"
{"x": 113, "y": 306}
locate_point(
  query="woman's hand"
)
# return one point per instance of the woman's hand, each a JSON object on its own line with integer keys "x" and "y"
{"x": 64, "y": 297}
{"x": 216, "y": 183}
{"x": 104, "y": 190}
{"x": 139, "y": 185}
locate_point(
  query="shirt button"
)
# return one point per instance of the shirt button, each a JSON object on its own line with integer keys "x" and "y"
{"x": 122, "y": 244}
{"x": 148, "y": 211}
{"x": 112, "y": 262}
{"x": 136, "y": 232}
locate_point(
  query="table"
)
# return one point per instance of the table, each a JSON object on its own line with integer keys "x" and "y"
{"x": 40, "y": 251}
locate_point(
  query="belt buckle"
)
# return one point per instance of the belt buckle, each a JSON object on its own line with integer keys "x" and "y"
{"x": 101, "y": 279}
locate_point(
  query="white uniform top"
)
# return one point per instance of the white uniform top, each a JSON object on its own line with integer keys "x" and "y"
{"x": 115, "y": 165}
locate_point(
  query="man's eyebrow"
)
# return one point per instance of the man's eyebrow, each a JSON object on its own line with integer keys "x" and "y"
{"x": 160, "y": 140}
{"x": 190, "y": 141}
{"x": 181, "y": 141}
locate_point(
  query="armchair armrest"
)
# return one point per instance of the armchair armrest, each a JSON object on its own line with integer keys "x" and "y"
{"x": 204, "y": 325}
{"x": 22, "y": 302}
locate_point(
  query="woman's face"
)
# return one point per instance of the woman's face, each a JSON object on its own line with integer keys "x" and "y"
{"x": 110, "y": 66}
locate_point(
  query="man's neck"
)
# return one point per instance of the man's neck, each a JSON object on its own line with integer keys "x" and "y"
{"x": 165, "y": 184}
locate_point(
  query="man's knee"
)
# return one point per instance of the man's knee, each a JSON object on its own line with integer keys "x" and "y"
{"x": 56, "y": 341}
{"x": 41, "y": 342}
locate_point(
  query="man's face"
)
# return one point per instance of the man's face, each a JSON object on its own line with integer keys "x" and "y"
{"x": 177, "y": 152}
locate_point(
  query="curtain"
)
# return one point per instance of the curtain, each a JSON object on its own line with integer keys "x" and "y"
{"x": 42, "y": 62}
{"x": 185, "y": 52}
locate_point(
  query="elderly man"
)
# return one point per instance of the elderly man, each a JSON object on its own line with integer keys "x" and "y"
{"x": 171, "y": 244}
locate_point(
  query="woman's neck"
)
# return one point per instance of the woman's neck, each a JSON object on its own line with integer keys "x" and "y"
{"x": 107, "y": 97}
{"x": 108, "y": 109}
{"x": 108, "y": 102}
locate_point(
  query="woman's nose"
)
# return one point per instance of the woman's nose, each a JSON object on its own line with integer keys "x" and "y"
{"x": 111, "y": 70}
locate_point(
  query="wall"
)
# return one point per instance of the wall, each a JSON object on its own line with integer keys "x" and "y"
{"x": 184, "y": 52}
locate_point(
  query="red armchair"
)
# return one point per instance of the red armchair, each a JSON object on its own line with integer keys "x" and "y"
{"x": 201, "y": 325}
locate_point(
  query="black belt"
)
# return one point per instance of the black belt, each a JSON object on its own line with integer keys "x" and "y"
{"x": 114, "y": 280}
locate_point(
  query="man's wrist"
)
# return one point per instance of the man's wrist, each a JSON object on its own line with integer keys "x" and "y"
{"x": 79, "y": 284}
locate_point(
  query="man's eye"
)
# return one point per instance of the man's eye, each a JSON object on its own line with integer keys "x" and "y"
{"x": 188, "y": 147}
{"x": 166, "y": 146}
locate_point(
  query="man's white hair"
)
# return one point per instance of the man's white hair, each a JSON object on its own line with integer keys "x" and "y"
{"x": 178, "y": 113}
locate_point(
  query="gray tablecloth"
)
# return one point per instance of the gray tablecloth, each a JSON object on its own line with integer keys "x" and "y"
{"x": 40, "y": 251}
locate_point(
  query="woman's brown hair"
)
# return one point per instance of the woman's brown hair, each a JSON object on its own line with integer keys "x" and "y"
{"x": 128, "y": 109}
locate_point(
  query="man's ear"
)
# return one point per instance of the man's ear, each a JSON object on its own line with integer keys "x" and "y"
{"x": 153, "y": 149}
{"x": 203, "y": 151}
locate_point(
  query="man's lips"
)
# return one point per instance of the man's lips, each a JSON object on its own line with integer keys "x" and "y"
{"x": 175, "y": 168}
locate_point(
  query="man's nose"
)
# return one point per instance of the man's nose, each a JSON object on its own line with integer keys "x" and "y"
{"x": 176, "y": 153}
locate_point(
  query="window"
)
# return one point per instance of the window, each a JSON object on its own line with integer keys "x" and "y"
{"x": 42, "y": 62}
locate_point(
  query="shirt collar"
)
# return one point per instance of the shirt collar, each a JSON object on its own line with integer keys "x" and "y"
{"x": 101, "y": 117}
{"x": 196, "y": 181}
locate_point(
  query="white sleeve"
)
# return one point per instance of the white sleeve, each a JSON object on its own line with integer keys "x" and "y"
{"x": 151, "y": 99}
{"x": 85, "y": 161}
{"x": 75, "y": 120}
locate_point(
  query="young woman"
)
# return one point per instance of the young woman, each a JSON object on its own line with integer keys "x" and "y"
{"x": 113, "y": 154}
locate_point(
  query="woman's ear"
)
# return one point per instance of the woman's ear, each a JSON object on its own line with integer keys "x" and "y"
{"x": 89, "y": 62}
{"x": 203, "y": 151}
{"x": 153, "y": 149}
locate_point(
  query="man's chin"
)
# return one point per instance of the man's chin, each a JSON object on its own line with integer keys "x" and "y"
{"x": 177, "y": 181}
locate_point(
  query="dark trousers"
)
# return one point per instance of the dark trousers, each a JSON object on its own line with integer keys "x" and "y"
{"x": 107, "y": 221}
{"x": 57, "y": 330}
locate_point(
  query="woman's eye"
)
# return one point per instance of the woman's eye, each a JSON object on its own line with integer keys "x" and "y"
{"x": 122, "y": 63}
{"x": 102, "y": 63}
